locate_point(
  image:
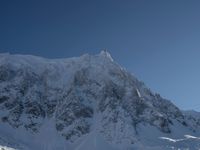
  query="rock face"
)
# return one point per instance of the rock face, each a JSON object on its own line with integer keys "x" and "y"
{"x": 82, "y": 96}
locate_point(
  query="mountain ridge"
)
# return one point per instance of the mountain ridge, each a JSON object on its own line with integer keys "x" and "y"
{"x": 88, "y": 97}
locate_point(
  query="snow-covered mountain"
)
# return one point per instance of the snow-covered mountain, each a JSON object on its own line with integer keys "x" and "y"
{"x": 86, "y": 103}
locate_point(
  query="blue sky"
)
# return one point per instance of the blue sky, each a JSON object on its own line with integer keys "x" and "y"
{"x": 159, "y": 41}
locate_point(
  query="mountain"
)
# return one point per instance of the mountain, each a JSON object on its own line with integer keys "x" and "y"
{"x": 86, "y": 103}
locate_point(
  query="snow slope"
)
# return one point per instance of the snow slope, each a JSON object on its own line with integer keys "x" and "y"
{"x": 86, "y": 103}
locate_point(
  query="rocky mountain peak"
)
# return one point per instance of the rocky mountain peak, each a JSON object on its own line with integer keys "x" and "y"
{"x": 105, "y": 54}
{"x": 88, "y": 96}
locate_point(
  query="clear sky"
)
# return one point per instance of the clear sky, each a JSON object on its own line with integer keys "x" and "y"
{"x": 157, "y": 40}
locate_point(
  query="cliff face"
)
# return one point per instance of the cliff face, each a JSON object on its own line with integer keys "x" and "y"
{"x": 88, "y": 97}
